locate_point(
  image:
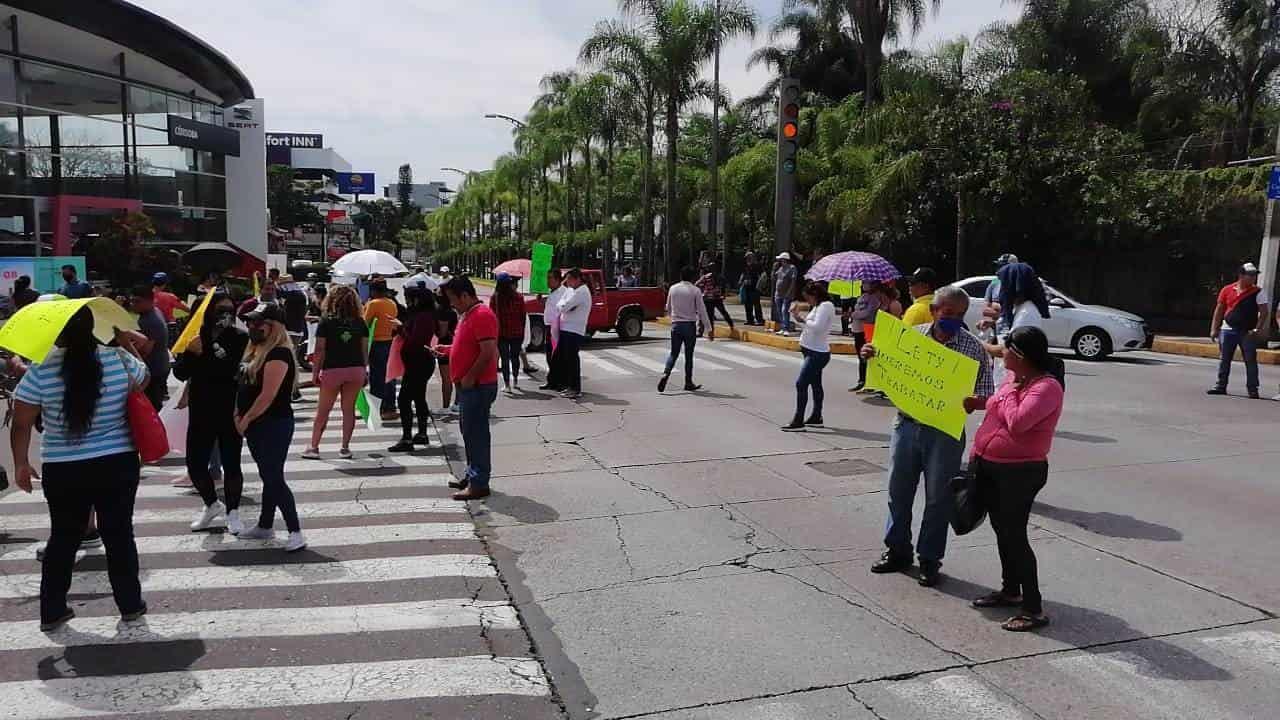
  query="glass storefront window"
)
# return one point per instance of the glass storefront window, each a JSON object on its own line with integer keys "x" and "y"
{"x": 67, "y": 91}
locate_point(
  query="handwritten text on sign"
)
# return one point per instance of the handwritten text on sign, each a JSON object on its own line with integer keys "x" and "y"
{"x": 925, "y": 379}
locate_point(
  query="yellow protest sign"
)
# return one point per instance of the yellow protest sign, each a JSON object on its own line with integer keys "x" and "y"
{"x": 926, "y": 380}
{"x": 845, "y": 288}
{"x": 193, "y": 326}
{"x": 32, "y": 331}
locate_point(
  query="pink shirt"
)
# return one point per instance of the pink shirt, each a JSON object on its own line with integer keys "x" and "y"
{"x": 1019, "y": 423}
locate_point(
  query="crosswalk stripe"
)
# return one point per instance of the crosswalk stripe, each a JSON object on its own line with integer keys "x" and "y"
{"x": 636, "y": 358}
{"x": 777, "y": 355}
{"x": 942, "y": 697}
{"x": 327, "y": 484}
{"x": 335, "y": 463}
{"x": 23, "y": 585}
{"x": 40, "y": 520}
{"x": 593, "y": 361}
{"x": 1139, "y": 682}
{"x": 1255, "y": 645}
{"x": 267, "y": 687}
{"x": 316, "y": 537}
{"x": 414, "y": 616}
{"x": 700, "y": 362}
{"x": 722, "y": 355}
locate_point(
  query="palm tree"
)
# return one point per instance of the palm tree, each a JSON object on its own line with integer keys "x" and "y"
{"x": 631, "y": 58}
{"x": 683, "y": 35}
{"x": 1242, "y": 52}
{"x": 824, "y": 57}
{"x": 875, "y": 21}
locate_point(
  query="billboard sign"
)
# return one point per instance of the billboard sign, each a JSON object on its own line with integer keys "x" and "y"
{"x": 188, "y": 133}
{"x": 304, "y": 141}
{"x": 355, "y": 183}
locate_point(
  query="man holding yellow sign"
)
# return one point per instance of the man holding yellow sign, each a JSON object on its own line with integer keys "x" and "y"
{"x": 935, "y": 374}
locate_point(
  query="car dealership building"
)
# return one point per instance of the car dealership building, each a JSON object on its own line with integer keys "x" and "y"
{"x": 107, "y": 109}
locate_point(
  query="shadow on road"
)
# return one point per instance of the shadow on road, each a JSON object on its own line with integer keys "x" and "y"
{"x": 1084, "y": 437}
{"x": 1109, "y": 524}
{"x": 527, "y": 511}
{"x": 1082, "y": 627}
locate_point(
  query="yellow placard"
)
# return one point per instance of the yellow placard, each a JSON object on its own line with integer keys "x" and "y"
{"x": 32, "y": 331}
{"x": 193, "y": 326}
{"x": 845, "y": 288}
{"x": 926, "y": 380}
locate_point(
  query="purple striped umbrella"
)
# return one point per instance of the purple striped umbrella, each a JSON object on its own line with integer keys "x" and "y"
{"x": 853, "y": 265}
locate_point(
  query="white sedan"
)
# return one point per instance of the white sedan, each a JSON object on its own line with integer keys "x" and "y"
{"x": 1091, "y": 331}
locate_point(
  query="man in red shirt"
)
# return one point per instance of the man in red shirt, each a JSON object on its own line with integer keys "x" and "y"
{"x": 1239, "y": 320}
{"x": 473, "y": 367}
{"x": 166, "y": 302}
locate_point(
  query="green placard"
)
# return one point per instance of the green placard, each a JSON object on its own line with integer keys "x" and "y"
{"x": 539, "y": 267}
{"x": 845, "y": 288}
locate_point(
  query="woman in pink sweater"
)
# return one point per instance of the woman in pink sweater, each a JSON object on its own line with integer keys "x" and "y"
{"x": 1011, "y": 459}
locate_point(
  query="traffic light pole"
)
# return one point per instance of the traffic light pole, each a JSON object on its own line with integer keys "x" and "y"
{"x": 714, "y": 219}
{"x": 788, "y": 148}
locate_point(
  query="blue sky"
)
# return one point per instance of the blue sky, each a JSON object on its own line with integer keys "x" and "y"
{"x": 394, "y": 81}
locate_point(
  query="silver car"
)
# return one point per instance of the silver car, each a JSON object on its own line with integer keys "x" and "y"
{"x": 1091, "y": 331}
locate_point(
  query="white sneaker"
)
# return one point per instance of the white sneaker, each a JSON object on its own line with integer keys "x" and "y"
{"x": 235, "y": 525}
{"x": 310, "y": 454}
{"x": 181, "y": 481}
{"x": 296, "y": 542}
{"x": 345, "y": 453}
{"x": 257, "y": 533}
{"x": 206, "y": 518}
{"x": 454, "y": 409}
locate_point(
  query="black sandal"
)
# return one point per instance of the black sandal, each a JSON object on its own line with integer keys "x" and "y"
{"x": 1025, "y": 623}
{"x": 997, "y": 599}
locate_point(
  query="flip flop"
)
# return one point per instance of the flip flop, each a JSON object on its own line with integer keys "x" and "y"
{"x": 996, "y": 599}
{"x": 1025, "y": 623}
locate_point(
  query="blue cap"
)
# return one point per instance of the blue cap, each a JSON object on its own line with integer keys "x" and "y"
{"x": 503, "y": 277}
{"x": 160, "y": 278}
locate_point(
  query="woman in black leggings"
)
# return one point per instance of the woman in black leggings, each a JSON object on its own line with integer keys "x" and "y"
{"x": 211, "y": 363}
{"x": 417, "y": 330}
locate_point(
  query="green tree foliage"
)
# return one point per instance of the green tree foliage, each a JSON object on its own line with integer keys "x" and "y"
{"x": 287, "y": 200}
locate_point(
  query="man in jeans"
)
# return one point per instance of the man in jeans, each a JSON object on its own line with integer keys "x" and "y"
{"x": 688, "y": 312}
{"x": 1239, "y": 321}
{"x": 917, "y": 449}
{"x": 473, "y": 367}
{"x": 784, "y": 289}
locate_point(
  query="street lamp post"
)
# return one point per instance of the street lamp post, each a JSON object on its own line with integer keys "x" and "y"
{"x": 714, "y": 215}
{"x": 520, "y": 125}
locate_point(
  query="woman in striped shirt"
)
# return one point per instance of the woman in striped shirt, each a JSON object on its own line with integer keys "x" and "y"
{"x": 89, "y": 461}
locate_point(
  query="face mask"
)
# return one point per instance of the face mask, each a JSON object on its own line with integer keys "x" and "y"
{"x": 258, "y": 335}
{"x": 224, "y": 319}
{"x": 951, "y": 326}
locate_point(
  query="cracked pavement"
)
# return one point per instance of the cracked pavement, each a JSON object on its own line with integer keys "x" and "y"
{"x": 676, "y": 557}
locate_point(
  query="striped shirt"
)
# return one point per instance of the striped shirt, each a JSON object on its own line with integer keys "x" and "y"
{"x": 108, "y": 432}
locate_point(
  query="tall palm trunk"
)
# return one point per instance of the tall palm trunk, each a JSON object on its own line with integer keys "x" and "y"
{"x": 646, "y": 187}
{"x": 668, "y": 222}
{"x": 546, "y": 197}
{"x": 587, "y": 222}
{"x": 606, "y": 252}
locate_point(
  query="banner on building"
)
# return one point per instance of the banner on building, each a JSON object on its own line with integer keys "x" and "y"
{"x": 188, "y": 133}
{"x": 247, "y": 181}
{"x": 304, "y": 141}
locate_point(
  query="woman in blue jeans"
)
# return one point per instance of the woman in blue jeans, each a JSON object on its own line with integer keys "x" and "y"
{"x": 265, "y": 419}
{"x": 815, "y": 345}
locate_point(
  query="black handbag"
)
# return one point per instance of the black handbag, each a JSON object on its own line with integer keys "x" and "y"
{"x": 970, "y": 509}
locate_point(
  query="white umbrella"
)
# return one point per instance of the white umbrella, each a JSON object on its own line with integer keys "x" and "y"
{"x": 423, "y": 279}
{"x": 368, "y": 262}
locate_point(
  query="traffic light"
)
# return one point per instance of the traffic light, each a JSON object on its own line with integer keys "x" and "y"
{"x": 788, "y": 148}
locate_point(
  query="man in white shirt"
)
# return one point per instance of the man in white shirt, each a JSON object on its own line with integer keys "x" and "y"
{"x": 550, "y": 315}
{"x": 688, "y": 313}
{"x": 575, "y": 309}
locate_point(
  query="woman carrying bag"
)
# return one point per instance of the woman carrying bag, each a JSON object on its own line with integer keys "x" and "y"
{"x": 80, "y": 392}
{"x": 416, "y": 332}
{"x": 1011, "y": 463}
{"x": 265, "y": 419}
{"x": 211, "y": 364}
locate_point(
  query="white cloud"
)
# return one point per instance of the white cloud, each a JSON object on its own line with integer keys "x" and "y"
{"x": 394, "y": 81}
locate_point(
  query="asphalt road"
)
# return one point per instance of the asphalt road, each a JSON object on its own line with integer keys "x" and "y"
{"x": 677, "y": 556}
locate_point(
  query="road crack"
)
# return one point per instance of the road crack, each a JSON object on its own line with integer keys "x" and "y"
{"x": 622, "y": 545}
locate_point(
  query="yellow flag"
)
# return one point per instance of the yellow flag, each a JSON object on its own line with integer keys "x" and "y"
{"x": 256, "y": 289}
{"x": 193, "y": 325}
{"x": 925, "y": 379}
{"x": 32, "y": 331}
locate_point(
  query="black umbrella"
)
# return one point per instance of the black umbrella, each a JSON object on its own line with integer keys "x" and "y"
{"x": 212, "y": 257}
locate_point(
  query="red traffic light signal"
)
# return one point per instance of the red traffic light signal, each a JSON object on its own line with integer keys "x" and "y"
{"x": 790, "y": 130}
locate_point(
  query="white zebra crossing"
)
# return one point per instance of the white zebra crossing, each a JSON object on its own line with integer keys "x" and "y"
{"x": 316, "y": 538}
{"x": 1261, "y": 645}
{"x": 415, "y": 616}
{"x": 304, "y": 485}
{"x": 23, "y": 585}
{"x": 1149, "y": 693}
{"x": 39, "y": 520}
{"x": 701, "y": 362}
{"x": 956, "y": 696}
{"x": 590, "y": 360}
{"x": 265, "y": 687}
{"x": 748, "y": 362}
{"x": 636, "y": 358}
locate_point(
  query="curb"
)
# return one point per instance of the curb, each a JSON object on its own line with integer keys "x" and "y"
{"x": 1206, "y": 350}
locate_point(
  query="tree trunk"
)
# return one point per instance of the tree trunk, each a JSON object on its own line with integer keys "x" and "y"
{"x": 668, "y": 221}
{"x": 587, "y": 223}
{"x": 607, "y": 251}
{"x": 960, "y": 219}
{"x": 646, "y": 188}
{"x": 546, "y": 196}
